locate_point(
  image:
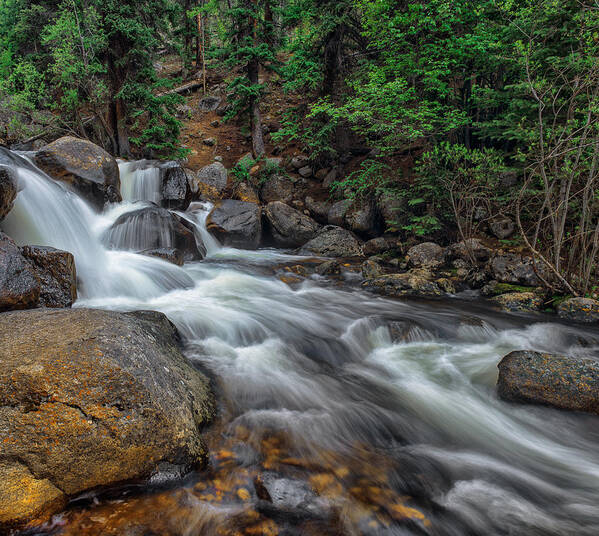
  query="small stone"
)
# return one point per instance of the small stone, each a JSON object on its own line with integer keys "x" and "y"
{"x": 210, "y": 142}
{"x": 305, "y": 172}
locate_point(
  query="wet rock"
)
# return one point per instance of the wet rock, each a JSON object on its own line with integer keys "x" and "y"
{"x": 362, "y": 217}
{"x": 579, "y": 310}
{"x": 371, "y": 269}
{"x": 154, "y": 228}
{"x": 242, "y": 191}
{"x": 502, "y": 228}
{"x": 175, "y": 189}
{"x": 288, "y": 495}
{"x": 471, "y": 250}
{"x": 516, "y": 269}
{"x": 57, "y": 274}
{"x": 209, "y": 103}
{"x": 319, "y": 210}
{"x": 331, "y": 267}
{"x": 109, "y": 399}
{"x": 236, "y": 224}
{"x": 89, "y": 169}
{"x": 333, "y": 241}
{"x": 412, "y": 283}
{"x": 8, "y": 191}
{"x": 210, "y": 182}
{"x": 553, "y": 380}
{"x": 19, "y": 282}
{"x": 406, "y": 331}
{"x": 426, "y": 255}
{"x": 277, "y": 188}
{"x": 337, "y": 212}
{"x": 519, "y": 301}
{"x": 289, "y": 227}
{"x": 172, "y": 255}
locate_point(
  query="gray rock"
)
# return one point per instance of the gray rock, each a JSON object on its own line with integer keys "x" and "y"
{"x": 319, "y": 210}
{"x": 289, "y": 227}
{"x": 362, "y": 217}
{"x": 559, "y": 381}
{"x": 330, "y": 178}
{"x": 337, "y": 212}
{"x": 109, "y": 399}
{"x": 154, "y": 228}
{"x": 502, "y": 228}
{"x": 471, "y": 250}
{"x": 519, "y": 301}
{"x": 371, "y": 269}
{"x": 209, "y": 142}
{"x": 331, "y": 267}
{"x": 89, "y": 169}
{"x": 210, "y": 182}
{"x": 209, "y": 104}
{"x": 376, "y": 246}
{"x": 277, "y": 188}
{"x": 517, "y": 270}
{"x": 426, "y": 255}
{"x": 19, "y": 282}
{"x": 412, "y": 283}
{"x": 305, "y": 172}
{"x": 333, "y": 241}
{"x": 579, "y": 310}
{"x": 8, "y": 190}
{"x": 172, "y": 255}
{"x": 174, "y": 188}
{"x": 298, "y": 162}
{"x": 236, "y": 224}
{"x": 392, "y": 210}
{"x": 57, "y": 274}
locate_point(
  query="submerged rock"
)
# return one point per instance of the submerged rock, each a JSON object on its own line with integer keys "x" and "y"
{"x": 289, "y": 227}
{"x": 553, "y": 380}
{"x": 579, "y": 310}
{"x": 92, "y": 398}
{"x": 172, "y": 255}
{"x": 236, "y": 224}
{"x": 89, "y": 169}
{"x": 154, "y": 228}
{"x": 333, "y": 241}
{"x": 57, "y": 274}
{"x": 19, "y": 282}
{"x": 8, "y": 191}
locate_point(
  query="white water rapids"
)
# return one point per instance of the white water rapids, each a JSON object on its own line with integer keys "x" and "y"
{"x": 318, "y": 362}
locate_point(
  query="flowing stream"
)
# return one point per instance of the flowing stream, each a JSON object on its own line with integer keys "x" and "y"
{"x": 349, "y": 432}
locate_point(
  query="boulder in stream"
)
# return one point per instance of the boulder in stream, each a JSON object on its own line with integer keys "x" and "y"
{"x": 210, "y": 182}
{"x": 333, "y": 241}
{"x": 172, "y": 255}
{"x": 175, "y": 192}
{"x": 92, "y": 398}
{"x": 236, "y": 224}
{"x": 8, "y": 190}
{"x": 19, "y": 282}
{"x": 553, "y": 380}
{"x": 584, "y": 310}
{"x": 57, "y": 275}
{"x": 154, "y": 228}
{"x": 289, "y": 227}
{"x": 412, "y": 283}
{"x": 89, "y": 169}
{"x": 519, "y": 301}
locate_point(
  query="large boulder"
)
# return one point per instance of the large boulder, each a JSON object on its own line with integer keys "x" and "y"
{"x": 517, "y": 270}
{"x": 470, "y": 250}
{"x": 289, "y": 227}
{"x": 210, "y": 182}
{"x": 8, "y": 191}
{"x": 319, "y": 210}
{"x": 393, "y": 210}
{"x": 57, "y": 275}
{"x": 426, "y": 255}
{"x": 337, "y": 212}
{"x": 19, "y": 282}
{"x": 553, "y": 380}
{"x": 579, "y": 310}
{"x": 89, "y": 169}
{"x": 236, "y": 224}
{"x": 277, "y": 188}
{"x": 519, "y": 301}
{"x": 362, "y": 218}
{"x": 175, "y": 192}
{"x": 154, "y": 228}
{"x": 333, "y": 241}
{"x": 92, "y": 398}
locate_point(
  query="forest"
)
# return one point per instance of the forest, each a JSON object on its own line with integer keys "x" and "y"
{"x": 467, "y": 111}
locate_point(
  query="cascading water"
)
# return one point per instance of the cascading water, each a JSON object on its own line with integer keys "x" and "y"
{"x": 140, "y": 181}
{"x": 396, "y": 438}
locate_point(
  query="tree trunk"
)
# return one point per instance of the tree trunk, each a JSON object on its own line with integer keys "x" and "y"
{"x": 255, "y": 118}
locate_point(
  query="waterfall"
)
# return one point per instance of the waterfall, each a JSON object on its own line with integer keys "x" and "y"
{"x": 140, "y": 181}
